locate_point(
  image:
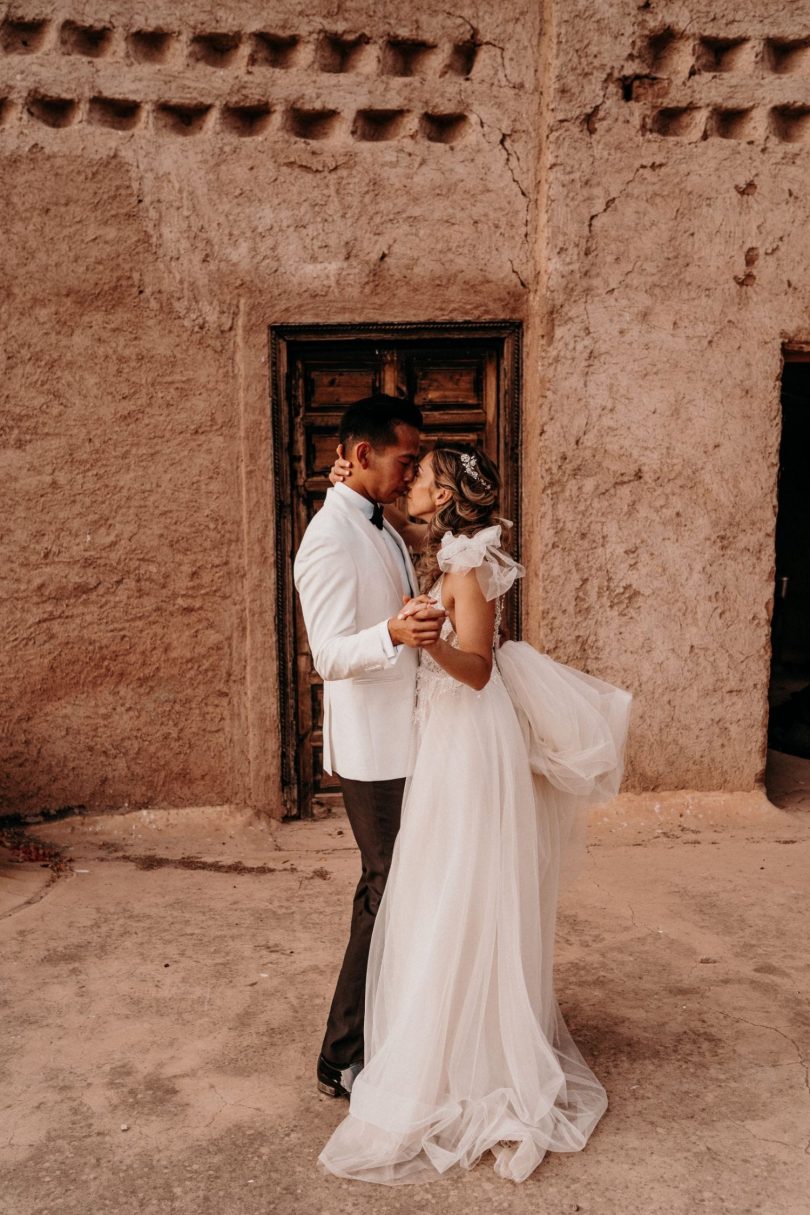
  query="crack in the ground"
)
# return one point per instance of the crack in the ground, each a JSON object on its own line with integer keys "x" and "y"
{"x": 238, "y": 1104}
{"x": 764, "y": 1138}
{"x": 655, "y": 931}
{"x": 800, "y": 1060}
{"x": 10, "y": 1141}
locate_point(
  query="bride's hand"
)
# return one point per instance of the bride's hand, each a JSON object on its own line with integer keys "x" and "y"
{"x": 422, "y": 603}
{"x": 341, "y": 467}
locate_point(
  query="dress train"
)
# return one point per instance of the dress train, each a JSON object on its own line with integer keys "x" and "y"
{"x": 466, "y": 1048}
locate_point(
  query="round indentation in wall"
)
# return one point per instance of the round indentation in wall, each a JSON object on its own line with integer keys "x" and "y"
{"x": 118, "y": 113}
{"x": 311, "y": 124}
{"x": 217, "y": 50}
{"x": 246, "y": 120}
{"x": 274, "y": 50}
{"x": 52, "y": 111}
{"x": 443, "y": 128}
{"x": 151, "y": 46}
{"x": 181, "y": 118}
{"x": 19, "y": 36}
{"x": 91, "y": 41}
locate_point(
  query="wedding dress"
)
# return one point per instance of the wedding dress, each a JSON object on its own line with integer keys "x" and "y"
{"x": 465, "y": 1046}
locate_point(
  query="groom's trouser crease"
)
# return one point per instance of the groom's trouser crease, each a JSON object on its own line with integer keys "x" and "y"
{"x": 373, "y": 809}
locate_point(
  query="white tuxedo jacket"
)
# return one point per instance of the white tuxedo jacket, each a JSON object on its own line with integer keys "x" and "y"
{"x": 350, "y": 586}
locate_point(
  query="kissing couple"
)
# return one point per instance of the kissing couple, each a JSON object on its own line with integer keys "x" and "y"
{"x": 466, "y": 766}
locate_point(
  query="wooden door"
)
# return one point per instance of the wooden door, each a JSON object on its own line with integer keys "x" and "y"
{"x": 464, "y": 378}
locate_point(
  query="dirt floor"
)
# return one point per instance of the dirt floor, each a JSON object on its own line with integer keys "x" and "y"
{"x": 166, "y": 990}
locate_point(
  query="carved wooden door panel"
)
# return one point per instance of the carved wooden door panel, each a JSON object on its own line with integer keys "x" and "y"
{"x": 464, "y": 378}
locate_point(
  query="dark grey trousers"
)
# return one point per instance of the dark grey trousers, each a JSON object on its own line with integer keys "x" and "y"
{"x": 373, "y": 809}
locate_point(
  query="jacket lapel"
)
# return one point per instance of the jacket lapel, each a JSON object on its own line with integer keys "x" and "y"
{"x": 371, "y": 535}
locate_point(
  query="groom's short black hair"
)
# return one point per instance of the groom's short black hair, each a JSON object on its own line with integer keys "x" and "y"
{"x": 376, "y": 418}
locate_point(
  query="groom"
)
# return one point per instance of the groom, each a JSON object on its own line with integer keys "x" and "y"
{"x": 352, "y": 573}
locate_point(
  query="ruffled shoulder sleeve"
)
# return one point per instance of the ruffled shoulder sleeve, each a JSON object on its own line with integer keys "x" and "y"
{"x": 495, "y": 569}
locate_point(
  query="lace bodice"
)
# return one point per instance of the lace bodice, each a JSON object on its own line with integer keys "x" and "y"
{"x": 496, "y": 572}
{"x": 433, "y": 680}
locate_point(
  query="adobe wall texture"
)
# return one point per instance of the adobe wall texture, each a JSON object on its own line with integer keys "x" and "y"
{"x": 674, "y": 261}
{"x": 167, "y": 195}
{"x": 627, "y": 181}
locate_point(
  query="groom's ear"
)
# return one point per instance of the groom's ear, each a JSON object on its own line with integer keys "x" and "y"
{"x": 362, "y": 452}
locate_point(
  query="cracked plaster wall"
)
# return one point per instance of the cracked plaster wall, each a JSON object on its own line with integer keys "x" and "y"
{"x": 674, "y": 267}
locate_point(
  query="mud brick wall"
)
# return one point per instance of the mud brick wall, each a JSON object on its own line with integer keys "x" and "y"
{"x": 674, "y": 263}
{"x": 176, "y": 178}
{"x": 629, "y": 181}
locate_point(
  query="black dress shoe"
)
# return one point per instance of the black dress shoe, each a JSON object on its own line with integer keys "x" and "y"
{"x": 336, "y": 1081}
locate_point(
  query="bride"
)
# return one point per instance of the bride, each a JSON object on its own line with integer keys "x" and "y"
{"x": 465, "y": 1047}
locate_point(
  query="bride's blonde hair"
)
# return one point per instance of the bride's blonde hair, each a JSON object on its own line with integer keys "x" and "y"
{"x": 474, "y": 484}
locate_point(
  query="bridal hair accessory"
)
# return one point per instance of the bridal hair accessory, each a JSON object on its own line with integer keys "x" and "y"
{"x": 471, "y": 468}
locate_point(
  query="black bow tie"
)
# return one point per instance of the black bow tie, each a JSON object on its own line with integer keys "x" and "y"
{"x": 377, "y": 516}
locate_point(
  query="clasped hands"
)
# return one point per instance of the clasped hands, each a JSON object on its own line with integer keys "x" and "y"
{"x": 418, "y": 624}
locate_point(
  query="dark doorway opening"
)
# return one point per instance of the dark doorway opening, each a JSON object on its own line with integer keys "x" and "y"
{"x": 465, "y": 377}
{"x": 787, "y": 774}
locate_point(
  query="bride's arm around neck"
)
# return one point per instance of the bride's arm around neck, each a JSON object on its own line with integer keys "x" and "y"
{"x": 473, "y": 619}
{"x": 413, "y": 533}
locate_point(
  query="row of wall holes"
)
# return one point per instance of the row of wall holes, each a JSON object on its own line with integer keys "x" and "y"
{"x": 789, "y": 124}
{"x": 331, "y": 53}
{"x": 369, "y": 126}
{"x": 671, "y": 52}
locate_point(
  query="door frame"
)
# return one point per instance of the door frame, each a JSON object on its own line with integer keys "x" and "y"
{"x": 510, "y": 333}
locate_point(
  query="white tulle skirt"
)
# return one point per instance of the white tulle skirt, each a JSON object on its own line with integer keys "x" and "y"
{"x": 465, "y": 1046}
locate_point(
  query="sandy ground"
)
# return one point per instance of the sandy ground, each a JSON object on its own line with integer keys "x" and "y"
{"x": 164, "y": 999}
